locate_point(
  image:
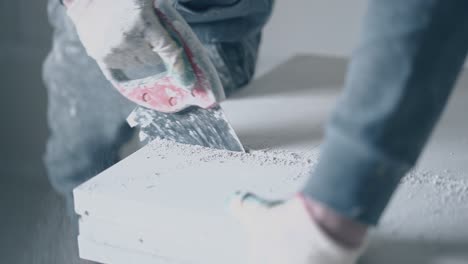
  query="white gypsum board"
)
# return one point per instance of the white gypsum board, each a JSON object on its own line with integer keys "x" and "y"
{"x": 165, "y": 179}
{"x": 214, "y": 241}
{"x": 102, "y": 253}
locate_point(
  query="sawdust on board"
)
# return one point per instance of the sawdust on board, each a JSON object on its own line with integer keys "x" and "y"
{"x": 443, "y": 185}
{"x": 197, "y": 154}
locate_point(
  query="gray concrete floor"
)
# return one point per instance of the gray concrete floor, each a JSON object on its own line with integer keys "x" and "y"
{"x": 33, "y": 224}
{"x": 425, "y": 223}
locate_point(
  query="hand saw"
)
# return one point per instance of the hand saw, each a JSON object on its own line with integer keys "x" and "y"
{"x": 168, "y": 111}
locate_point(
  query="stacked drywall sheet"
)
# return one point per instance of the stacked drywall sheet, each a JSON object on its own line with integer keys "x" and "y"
{"x": 168, "y": 203}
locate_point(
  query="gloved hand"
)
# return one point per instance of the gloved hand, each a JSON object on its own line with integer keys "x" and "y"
{"x": 121, "y": 34}
{"x": 285, "y": 233}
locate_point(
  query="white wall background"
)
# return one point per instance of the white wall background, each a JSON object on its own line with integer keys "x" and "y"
{"x": 326, "y": 27}
{"x": 297, "y": 26}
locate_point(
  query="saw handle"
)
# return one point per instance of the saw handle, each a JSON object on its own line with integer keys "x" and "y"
{"x": 159, "y": 92}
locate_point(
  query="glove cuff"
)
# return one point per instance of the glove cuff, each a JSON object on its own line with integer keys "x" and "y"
{"x": 322, "y": 249}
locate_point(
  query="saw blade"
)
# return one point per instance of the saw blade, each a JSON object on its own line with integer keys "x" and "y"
{"x": 194, "y": 126}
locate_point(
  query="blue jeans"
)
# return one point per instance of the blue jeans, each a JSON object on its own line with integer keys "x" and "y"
{"x": 399, "y": 81}
{"x": 86, "y": 115}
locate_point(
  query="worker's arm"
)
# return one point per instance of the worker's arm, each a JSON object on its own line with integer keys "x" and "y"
{"x": 126, "y": 36}
{"x": 398, "y": 83}
{"x": 214, "y": 21}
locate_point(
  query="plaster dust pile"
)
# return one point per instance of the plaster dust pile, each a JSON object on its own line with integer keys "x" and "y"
{"x": 169, "y": 198}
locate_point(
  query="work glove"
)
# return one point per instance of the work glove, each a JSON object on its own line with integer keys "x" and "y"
{"x": 126, "y": 34}
{"x": 285, "y": 233}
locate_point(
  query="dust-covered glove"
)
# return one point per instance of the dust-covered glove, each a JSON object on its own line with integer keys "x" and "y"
{"x": 123, "y": 34}
{"x": 285, "y": 233}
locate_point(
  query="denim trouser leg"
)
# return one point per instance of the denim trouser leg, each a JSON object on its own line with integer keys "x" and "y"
{"x": 399, "y": 81}
{"x": 87, "y": 115}
{"x": 231, "y": 32}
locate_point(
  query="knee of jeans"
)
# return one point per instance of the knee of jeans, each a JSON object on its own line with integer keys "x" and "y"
{"x": 67, "y": 171}
{"x": 58, "y": 178}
